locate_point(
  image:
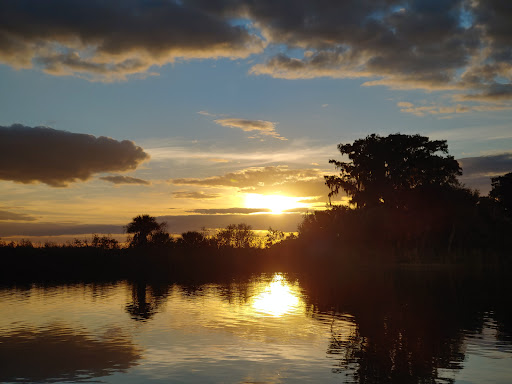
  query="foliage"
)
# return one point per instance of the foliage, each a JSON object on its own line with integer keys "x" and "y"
{"x": 104, "y": 242}
{"x": 192, "y": 239}
{"x": 382, "y": 170}
{"x": 273, "y": 236}
{"x": 144, "y": 227}
{"x": 236, "y": 236}
{"x": 501, "y": 191}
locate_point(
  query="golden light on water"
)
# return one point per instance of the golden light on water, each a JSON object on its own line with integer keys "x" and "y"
{"x": 276, "y": 203}
{"x": 278, "y": 298}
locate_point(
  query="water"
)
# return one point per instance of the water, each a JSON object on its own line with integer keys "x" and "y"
{"x": 271, "y": 328}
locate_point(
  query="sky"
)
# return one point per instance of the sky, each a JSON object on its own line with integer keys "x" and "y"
{"x": 205, "y": 113}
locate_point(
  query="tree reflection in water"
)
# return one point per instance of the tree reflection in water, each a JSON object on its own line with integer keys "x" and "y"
{"x": 410, "y": 327}
{"x": 146, "y": 299}
{"x": 386, "y": 326}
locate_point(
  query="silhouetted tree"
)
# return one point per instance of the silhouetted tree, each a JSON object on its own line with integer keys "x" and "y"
{"x": 104, "y": 242}
{"x": 236, "y": 236}
{"x": 192, "y": 239}
{"x": 273, "y": 236}
{"x": 143, "y": 227}
{"x": 501, "y": 191}
{"x": 382, "y": 169}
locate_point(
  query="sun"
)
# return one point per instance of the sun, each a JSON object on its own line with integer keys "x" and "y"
{"x": 276, "y": 203}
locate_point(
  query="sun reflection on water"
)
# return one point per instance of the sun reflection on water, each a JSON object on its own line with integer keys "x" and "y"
{"x": 278, "y": 298}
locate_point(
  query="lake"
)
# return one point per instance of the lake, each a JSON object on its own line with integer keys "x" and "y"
{"x": 352, "y": 326}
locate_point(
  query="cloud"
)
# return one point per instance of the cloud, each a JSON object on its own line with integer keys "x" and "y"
{"x": 477, "y": 171}
{"x": 285, "y": 222}
{"x": 273, "y": 179}
{"x": 175, "y": 224}
{"x": 262, "y": 127}
{"x": 433, "y": 109}
{"x": 489, "y": 165}
{"x": 54, "y": 229}
{"x": 12, "y": 216}
{"x": 223, "y": 211}
{"x": 432, "y": 45}
{"x": 461, "y": 45}
{"x": 57, "y": 158}
{"x": 194, "y": 195}
{"x": 125, "y": 180}
{"x": 112, "y": 40}
{"x": 297, "y": 151}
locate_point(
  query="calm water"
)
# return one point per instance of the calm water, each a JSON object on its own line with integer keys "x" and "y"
{"x": 274, "y": 328}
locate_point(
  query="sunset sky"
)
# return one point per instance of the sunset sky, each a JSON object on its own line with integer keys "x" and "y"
{"x": 212, "y": 112}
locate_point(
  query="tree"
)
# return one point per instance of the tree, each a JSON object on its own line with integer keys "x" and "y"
{"x": 502, "y": 191}
{"x": 383, "y": 170}
{"x": 143, "y": 227}
{"x": 273, "y": 236}
{"x": 236, "y": 236}
{"x": 192, "y": 239}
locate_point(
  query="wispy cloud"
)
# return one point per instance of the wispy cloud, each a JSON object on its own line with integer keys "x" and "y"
{"x": 266, "y": 180}
{"x": 195, "y": 195}
{"x": 125, "y": 180}
{"x": 225, "y": 211}
{"x": 261, "y": 127}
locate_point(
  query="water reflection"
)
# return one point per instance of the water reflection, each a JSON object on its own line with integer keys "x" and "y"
{"x": 61, "y": 353}
{"x": 146, "y": 300}
{"x": 352, "y": 326}
{"x": 279, "y": 297}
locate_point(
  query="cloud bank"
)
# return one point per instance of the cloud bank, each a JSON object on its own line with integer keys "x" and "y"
{"x": 477, "y": 171}
{"x": 57, "y": 158}
{"x": 13, "y": 216}
{"x": 461, "y": 45}
{"x": 112, "y": 40}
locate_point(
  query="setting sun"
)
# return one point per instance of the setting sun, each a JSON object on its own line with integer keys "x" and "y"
{"x": 276, "y": 203}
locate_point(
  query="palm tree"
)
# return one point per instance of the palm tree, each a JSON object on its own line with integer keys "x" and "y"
{"x": 143, "y": 226}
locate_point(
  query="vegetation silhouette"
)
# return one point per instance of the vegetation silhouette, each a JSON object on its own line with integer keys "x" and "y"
{"x": 406, "y": 206}
{"x": 501, "y": 192}
{"x": 385, "y": 170}
{"x": 146, "y": 230}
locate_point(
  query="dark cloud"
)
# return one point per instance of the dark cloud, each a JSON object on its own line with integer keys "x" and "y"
{"x": 489, "y": 165}
{"x": 284, "y": 222}
{"x": 54, "y": 229}
{"x": 175, "y": 224}
{"x": 223, "y": 211}
{"x": 261, "y": 127}
{"x": 449, "y": 44}
{"x": 41, "y": 355}
{"x": 461, "y": 45}
{"x": 110, "y": 40}
{"x": 273, "y": 179}
{"x": 194, "y": 195}
{"x": 125, "y": 180}
{"x": 56, "y": 158}
{"x": 13, "y": 216}
{"x": 477, "y": 171}
{"x": 297, "y": 210}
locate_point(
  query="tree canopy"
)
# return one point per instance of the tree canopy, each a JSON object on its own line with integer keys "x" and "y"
{"x": 382, "y": 170}
{"x": 502, "y": 191}
{"x": 144, "y": 228}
